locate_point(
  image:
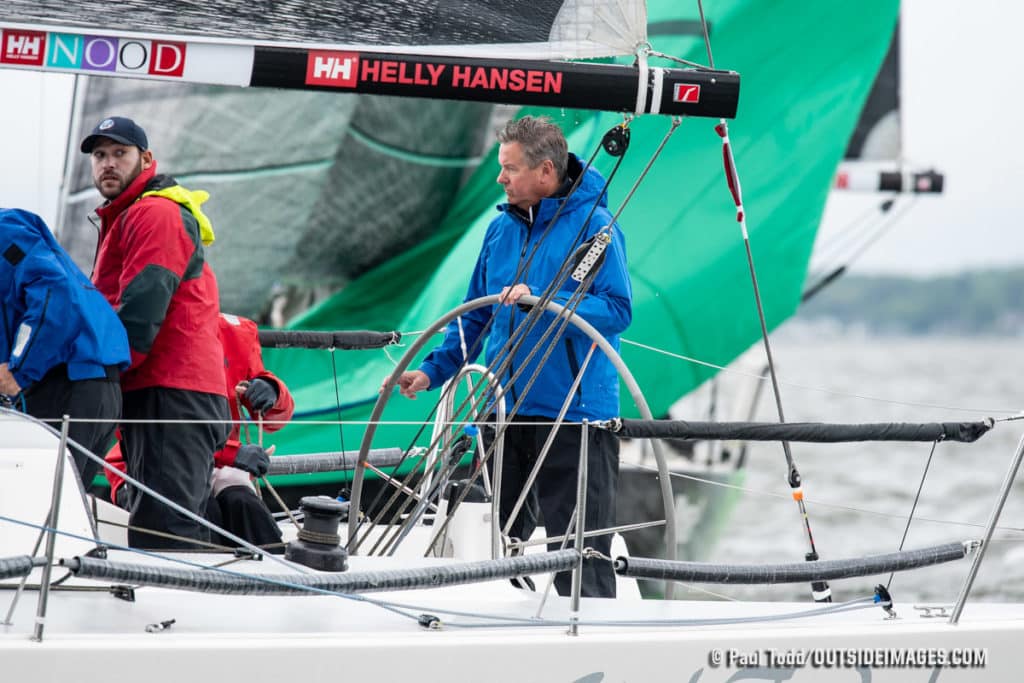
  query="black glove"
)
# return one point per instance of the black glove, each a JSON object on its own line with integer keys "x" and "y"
{"x": 253, "y": 459}
{"x": 261, "y": 395}
{"x": 123, "y": 499}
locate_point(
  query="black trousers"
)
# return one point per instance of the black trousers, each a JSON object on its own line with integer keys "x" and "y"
{"x": 173, "y": 459}
{"x": 554, "y": 492}
{"x": 55, "y": 395}
{"x": 239, "y": 510}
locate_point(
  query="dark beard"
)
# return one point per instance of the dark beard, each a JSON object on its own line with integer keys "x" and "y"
{"x": 124, "y": 185}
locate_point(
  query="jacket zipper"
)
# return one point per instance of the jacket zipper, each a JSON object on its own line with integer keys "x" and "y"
{"x": 512, "y": 313}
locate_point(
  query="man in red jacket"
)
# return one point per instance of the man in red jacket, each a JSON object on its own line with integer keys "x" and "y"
{"x": 234, "y": 504}
{"x": 151, "y": 267}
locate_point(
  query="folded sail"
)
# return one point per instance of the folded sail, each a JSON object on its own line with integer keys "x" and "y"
{"x": 808, "y": 432}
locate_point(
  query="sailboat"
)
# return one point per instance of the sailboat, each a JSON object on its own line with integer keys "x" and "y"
{"x": 120, "y": 611}
{"x": 874, "y": 169}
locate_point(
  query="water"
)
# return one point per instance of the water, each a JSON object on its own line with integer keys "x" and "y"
{"x": 859, "y": 495}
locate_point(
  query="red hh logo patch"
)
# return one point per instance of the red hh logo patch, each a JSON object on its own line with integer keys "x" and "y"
{"x": 336, "y": 69}
{"x": 686, "y": 92}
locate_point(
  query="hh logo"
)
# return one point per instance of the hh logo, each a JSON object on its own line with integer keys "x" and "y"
{"x": 686, "y": 92}
{"x": 336, "y": 69}
{"x": 22, "y": 47}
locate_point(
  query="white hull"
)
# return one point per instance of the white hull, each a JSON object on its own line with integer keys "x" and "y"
{"x": 290, "y": 638}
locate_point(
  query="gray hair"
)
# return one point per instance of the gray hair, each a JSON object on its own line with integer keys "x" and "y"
{"x": 540, "y": 139}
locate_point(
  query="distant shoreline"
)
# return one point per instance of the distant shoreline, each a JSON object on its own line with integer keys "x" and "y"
{"x": 982, "y": 303}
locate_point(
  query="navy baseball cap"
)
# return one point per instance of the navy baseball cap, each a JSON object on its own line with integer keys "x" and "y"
{"x": 119, "y": 129}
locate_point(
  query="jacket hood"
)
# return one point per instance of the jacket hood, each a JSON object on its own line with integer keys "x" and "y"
{"x": 165, "y": 186}
{"x": 26, "y": 221}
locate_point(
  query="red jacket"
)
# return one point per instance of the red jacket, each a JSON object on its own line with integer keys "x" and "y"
{"x": 151, "y": 267}
{"x": 243, "y": 360}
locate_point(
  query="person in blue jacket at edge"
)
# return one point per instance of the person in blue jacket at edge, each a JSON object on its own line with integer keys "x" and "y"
{"x": 537, "y": 173}
{"x": 62, "y": 346}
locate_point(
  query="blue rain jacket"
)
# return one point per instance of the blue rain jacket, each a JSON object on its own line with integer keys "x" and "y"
{"x": 49, "y": 311}
{"x": 607, "y": 305}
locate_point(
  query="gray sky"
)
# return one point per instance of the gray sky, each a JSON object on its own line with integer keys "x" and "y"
{"x": 960, "y": 108}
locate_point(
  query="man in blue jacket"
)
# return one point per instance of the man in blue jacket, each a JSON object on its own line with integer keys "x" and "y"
{"x": 523, "y": 253}
{"x": 61, "y": 343}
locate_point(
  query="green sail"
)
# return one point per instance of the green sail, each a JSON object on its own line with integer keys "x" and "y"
{"x": 806, "y": 70}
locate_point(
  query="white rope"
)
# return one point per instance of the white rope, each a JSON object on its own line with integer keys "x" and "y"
{"x": 680, "y": 60}
{"x": 642, "y": 76}
{"x": 659, "y": 84}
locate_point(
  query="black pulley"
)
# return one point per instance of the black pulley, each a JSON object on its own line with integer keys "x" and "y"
{"x": 884, "y": 600}
{"x": 616, "y": 141}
